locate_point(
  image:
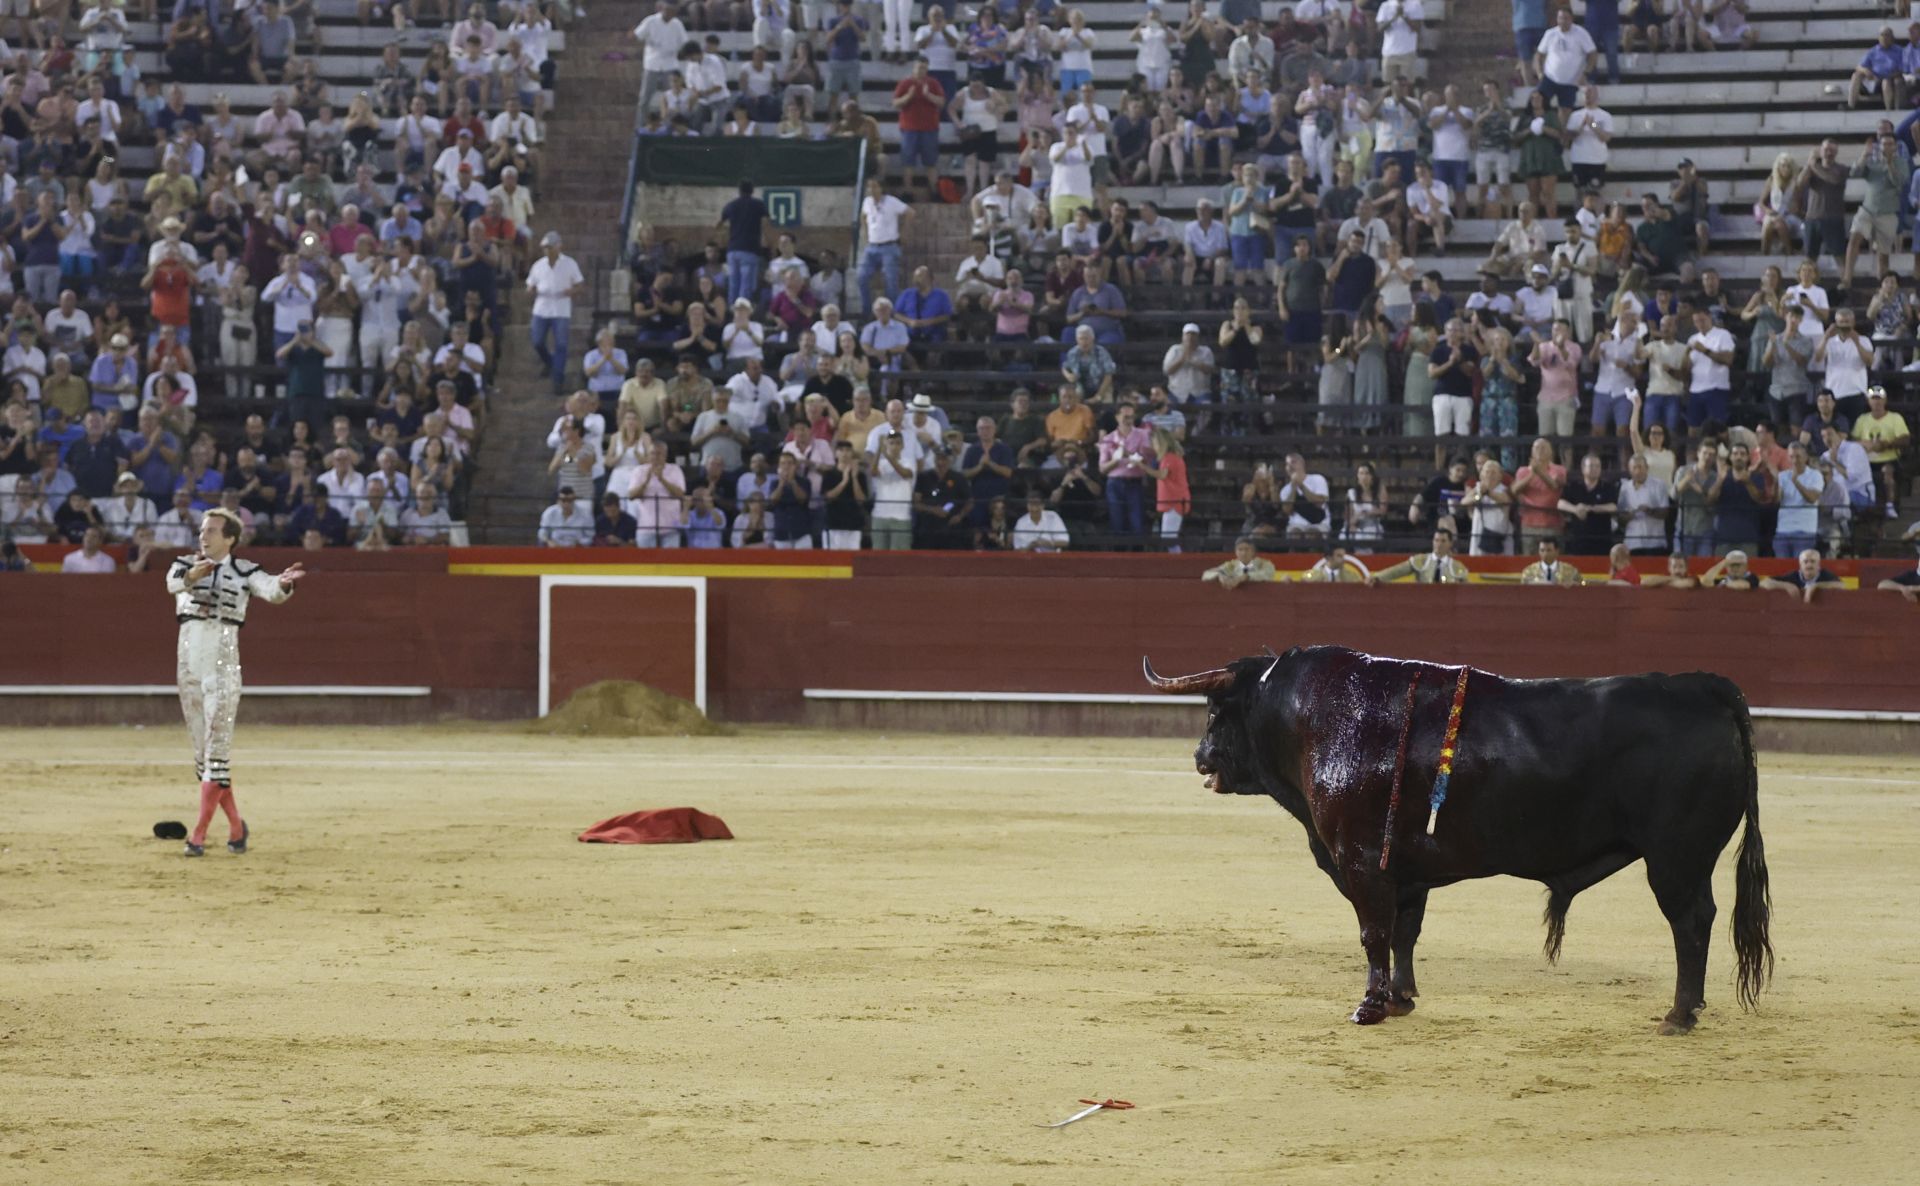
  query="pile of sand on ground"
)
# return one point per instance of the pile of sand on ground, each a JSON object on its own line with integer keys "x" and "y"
{"x": 623, "y": 708}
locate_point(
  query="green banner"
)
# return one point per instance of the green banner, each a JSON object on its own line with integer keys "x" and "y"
{"x": 729, "y": 160}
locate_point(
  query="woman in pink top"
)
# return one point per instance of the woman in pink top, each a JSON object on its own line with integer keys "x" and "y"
{"x": 1173, "y": 497}
{"x": 1536, "y": 487}
{"x": 1559, "y": 363}
{"x": 1122, "y": 454}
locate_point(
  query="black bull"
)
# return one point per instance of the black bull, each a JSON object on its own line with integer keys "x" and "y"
{"x": 1561, "y": 781}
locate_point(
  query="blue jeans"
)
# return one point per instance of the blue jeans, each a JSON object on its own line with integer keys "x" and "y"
{"x": 743, "y": 275}
{"x": 1608, "y": 41}
{"x": 885, "y": 259}
{"x": 1126, "y": 506}
{"x": 1664, "y": 409}
{"x": 550, "y": 343}
{"x": 1788, "y": 547}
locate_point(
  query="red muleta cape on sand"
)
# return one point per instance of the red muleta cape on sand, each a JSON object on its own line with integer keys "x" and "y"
{"x": 668, "y": 825}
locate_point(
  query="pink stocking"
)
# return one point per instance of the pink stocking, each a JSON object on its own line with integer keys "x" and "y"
{"x": 234, "y": 826}
{"x": 209, "y": 802}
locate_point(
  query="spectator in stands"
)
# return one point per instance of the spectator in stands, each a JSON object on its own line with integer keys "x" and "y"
{"x": 1590, "y": 502}
{"x": 1189, "y": 366}
{"x": 894, "y": 494}
{"x": 1823, "y": 182}
{"x": 1850, "y": 466}
{"x": 567, "y": 524}
{"x": 1123, "y": 454}
{"x": 1304, "y": 501}
{"x": 1884, "y": 436}
{"x": 1450, "y": 367}
{"x": 1435, "y": 567}
{"x": 1876, "y": 224}
{"x": 1808, "y": 576}
{"x": 1845, "y": 355}
{"x": 1537, "y": 486}
{"x": 920, "y": 99}
{"x": 1549, "y": 569}
{"x": 1880, "y": 72}
{"x": 1490, "y": 504}
{"x": 1248, "y": 566}
{"x": 1097, "y": 305}
{"x": 924, "y": 309}
{"x": 1208, "y": 247}
{"x": 1590, "y": 127}
{"x": 1738, "y": 494}
{"x": 1536, "y": 132}
{"x": 1088, "y": 368}
{"x": 1429, "y": 208}
{"x": 746, "y": 220}
{"x": 1800, "y": 485}
{"x": 1563, "y": 59}
{"x": 881, "y": 214}
{"x": 661, "y": 35}
{"x": 1558, "y": 359}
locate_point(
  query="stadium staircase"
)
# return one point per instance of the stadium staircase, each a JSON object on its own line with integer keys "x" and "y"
{"x": 589, "y": 139}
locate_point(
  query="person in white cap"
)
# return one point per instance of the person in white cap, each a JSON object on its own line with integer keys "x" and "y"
{"x": 555, "y": 279}
{"x": 128, "y": 509}
{"x": 1189, "y": 366}
{"x": 211, "y": 591}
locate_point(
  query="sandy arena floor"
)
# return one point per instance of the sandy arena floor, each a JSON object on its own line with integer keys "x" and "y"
{"x": 918, "y": 948}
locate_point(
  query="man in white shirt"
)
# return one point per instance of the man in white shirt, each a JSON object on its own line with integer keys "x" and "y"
{"x": 662, "y": 34}
{"x": 1429, "y": 205}
{"x": 554, "y": 280}
{"x": 1534, "y": 306}
{"x": 89, "y": 559}
{"x": 516, "y": 200}
{"x": 1564, "y": 56}
{"x": 567, "y": 523}
{"x": 880, "y": 214}
{"x": 415, "y": 134}
{"x": 1040, "y": 529}
{"x": 754, "y": 392}
{"x": 1846, "y": 355}
{"x": 343, "y": 483}
{"x": 96, "y": 106}
{"x": 1710, "y": 373}
{"x": 128, "y": 509}
{"x": 1091, "y": 120}
{"x": 1592, "y": 130}
{"x": 446, "y": 166}
{"x": 1807, "y": 291}
{"x": 1189, "y": 366}
{"x": 1399, "y": 24}
{"x": 69, "y": 327}
{"x": 1452, "y": 126}
{"x": 1208, "y": 247}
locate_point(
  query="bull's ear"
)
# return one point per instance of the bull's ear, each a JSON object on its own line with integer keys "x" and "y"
{"x": 1203, "y": 683}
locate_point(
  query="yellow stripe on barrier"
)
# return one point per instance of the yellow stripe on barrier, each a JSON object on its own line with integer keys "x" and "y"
{"x": 761, "y": 572}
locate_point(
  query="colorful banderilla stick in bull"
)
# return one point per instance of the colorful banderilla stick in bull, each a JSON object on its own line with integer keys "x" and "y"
{"x": 1446, "y": 751}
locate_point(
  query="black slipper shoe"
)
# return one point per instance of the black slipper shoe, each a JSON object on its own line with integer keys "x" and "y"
{"x": 170, "y": 829}
{"x": 236, "y": 847}
{"x": 195, "y": 850}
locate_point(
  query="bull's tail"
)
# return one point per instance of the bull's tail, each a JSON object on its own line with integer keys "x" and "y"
{"x": 1752, "y": 899}
{"x": 1555, "y": 916}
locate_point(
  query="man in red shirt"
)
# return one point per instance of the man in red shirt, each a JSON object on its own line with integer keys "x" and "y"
{"x": 919, "y": 99}
{"x": 171, "y": 283}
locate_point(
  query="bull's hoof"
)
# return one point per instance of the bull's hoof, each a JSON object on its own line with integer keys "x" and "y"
{"x": 1399, "y": 1005}
{"x": 1372, "y": 1010}
{"x": 1677, "y": 1022}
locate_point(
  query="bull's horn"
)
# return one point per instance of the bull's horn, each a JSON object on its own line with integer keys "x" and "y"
{"x": 1205, "y": 681}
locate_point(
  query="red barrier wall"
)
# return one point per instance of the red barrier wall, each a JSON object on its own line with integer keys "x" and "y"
{"x": 950, "y": 623}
